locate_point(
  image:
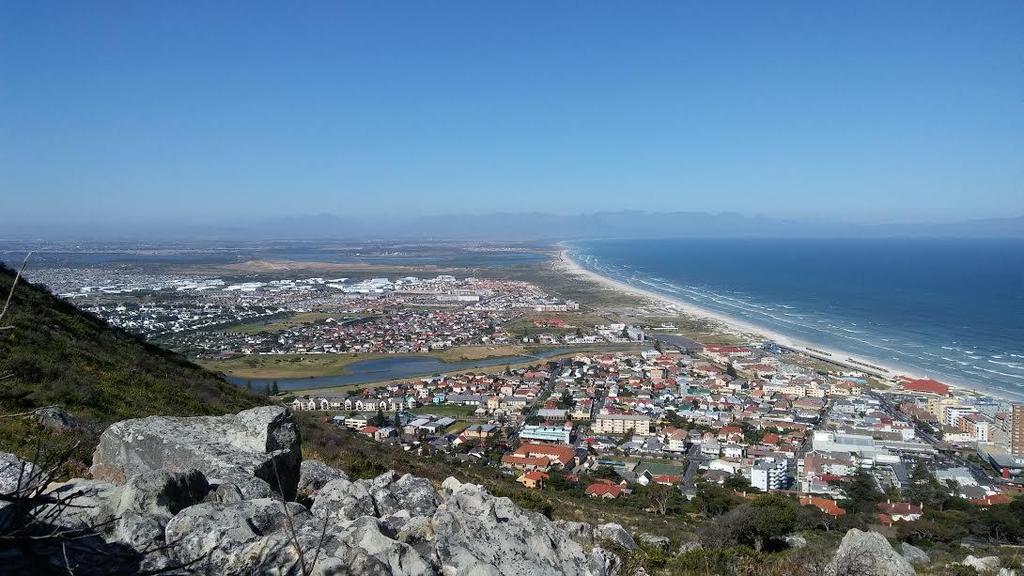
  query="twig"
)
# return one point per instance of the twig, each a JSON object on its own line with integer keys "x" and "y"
{"x": 10, "y": 293}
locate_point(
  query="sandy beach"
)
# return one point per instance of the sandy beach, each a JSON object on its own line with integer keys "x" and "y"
{"x": 732, "y": 325}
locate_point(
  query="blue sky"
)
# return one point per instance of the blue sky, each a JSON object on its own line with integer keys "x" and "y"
{"x": 198, "y": 111}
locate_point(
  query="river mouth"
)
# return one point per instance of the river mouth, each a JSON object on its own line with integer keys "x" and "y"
{"x": 392, "y": 368}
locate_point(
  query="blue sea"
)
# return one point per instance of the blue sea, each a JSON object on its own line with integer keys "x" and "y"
{"x": 949, "y": 309}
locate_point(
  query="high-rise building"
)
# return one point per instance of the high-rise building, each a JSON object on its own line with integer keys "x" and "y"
{"x": 1017, "y": 430}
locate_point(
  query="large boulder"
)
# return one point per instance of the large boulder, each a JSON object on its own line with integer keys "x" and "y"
{"x": 615, "y": 534}
{"x": 476, "y": 533}
{"x": 149, "y": 500}
{"x": 262, "y": 442}
{"x": 913, "y": 554}
{"x": 867, "y": 554}
{"x": 659, "y": 543}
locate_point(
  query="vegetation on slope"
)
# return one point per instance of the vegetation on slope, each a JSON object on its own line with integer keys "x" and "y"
{"x": 56, "y": 354}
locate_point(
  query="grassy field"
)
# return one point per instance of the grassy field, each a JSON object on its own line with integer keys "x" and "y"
{"x": 275, "y": 324}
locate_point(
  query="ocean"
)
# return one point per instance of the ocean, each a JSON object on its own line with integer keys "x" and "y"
{"x": 949, "y": 309}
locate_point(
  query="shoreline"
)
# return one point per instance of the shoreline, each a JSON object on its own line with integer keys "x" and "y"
{"x": 886, "y": 373}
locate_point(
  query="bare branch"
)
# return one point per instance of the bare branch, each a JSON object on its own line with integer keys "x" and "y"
{"x": 10, "y": 293}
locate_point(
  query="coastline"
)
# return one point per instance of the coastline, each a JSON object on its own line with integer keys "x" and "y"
{"x": 886, "y": 373}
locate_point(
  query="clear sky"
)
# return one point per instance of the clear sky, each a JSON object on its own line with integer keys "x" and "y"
{"x": 862, "y": 111}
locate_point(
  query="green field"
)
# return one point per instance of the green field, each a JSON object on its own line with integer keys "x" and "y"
{"x": 278, "y": 323}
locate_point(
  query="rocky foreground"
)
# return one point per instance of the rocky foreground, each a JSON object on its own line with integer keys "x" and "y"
{"x": 215, "y": 495}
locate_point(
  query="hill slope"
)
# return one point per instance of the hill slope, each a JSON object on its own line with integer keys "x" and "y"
{"x": 58, "y": 355}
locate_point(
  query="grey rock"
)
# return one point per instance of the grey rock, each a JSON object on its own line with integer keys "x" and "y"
{"x": 982, "y": 564}
{"x": 344, "y": 500}
{"x": 913, "y": 554}
{"x": 365, "y": 534}
{"x": 16, "y": 474}
{"x": 149, "y": 500}
{"x": 261, "y": 442}
{"x": 314, "y": 474}
{"x": 689, "y": 546}
{"x": 410, "y": 493}
{"x": 56, "y": 418}
{"x": 795, "y": 541}
{"x": 476, "y": 533}
{"x": 603, "y": 562}
{"x": 581, "y": 532}
{"x": 660, "y": 543}
{"x": 226, "y": 493}
{"x": 238, "y": 537}
{"x": 867, "y": 554}
{"x": 616, "y": 534}
{"x": 83, "y": 504}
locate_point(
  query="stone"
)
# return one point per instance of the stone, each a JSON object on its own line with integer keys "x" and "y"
{"x": 477, "y": 533}
{"x": 261, "y": 442}
{"x": 689, "y": 546}
{"x": 410, "y": 493}
{"x": 795, "y": 541}
{"x": 314, "y": 474}
{"x": 344, "y": 500}
{"x": 660, "y": 543}
{"x": 581, "y": 532}
{"x": 83, "y": 504}
{"x": 913, "y": 554}
{"x": 603, "y": 562}
{"x": 56, "y": 418}
{"x": 16, "y": 474}
{"x": 982, "y": 564}
{"x": 251, "y": 536}
{"x": 867, "y": 554}
{"x": 149, "y": 500}
{"x": 615, "y": 534}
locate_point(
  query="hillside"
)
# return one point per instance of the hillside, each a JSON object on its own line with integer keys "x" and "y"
{"x": 55, "y": 354}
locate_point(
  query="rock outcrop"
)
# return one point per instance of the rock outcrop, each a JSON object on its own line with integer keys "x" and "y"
{"x": 867, "y": 554}
{"x": 913, "y": 554}
{"x": 191, "y": 495}
{"x": 259, "y": 443}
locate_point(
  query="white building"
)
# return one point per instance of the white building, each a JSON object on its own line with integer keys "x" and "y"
{"x": 768, "y": 474}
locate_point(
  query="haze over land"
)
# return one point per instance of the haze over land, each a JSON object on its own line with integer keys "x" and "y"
{"x": 527, "y": 226}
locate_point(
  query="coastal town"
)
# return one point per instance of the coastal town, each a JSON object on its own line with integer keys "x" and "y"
{"x": 681, "y": 416}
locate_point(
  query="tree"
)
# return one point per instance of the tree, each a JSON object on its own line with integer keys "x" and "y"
{"x": 731, "y": 370}
{"x": 713, "y": 500}
{"x": 662, "y": 498}
{"x": 398, "y": 420}
{"x": 862, "y": 492}
{"x": 737, "y": 482}
{"x": 925, "y": 488}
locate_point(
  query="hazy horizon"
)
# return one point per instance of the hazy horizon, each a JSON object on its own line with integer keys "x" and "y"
{"x": 126, "y": 114}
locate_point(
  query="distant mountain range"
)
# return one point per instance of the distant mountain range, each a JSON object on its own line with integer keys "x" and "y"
{"x": 541, "y": 226}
